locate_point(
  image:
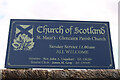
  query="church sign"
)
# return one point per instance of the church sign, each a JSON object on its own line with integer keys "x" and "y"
{"x": 59, "y": 44}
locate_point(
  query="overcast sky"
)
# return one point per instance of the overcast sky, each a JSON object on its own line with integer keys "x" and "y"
{"x": 82, "y": 10}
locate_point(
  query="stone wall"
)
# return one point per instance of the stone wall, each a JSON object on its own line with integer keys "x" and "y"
{"x": 92, "y": 74}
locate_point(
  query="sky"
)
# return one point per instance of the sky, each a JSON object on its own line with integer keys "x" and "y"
{"x": 81, "y": 10}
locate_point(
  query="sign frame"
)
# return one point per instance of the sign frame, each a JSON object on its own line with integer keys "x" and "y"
{"x": 14, "y": 21}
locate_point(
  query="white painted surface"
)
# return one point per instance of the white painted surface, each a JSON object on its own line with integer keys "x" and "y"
{"x": 119, "y": 35}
